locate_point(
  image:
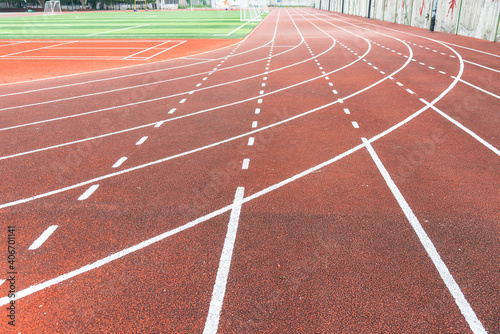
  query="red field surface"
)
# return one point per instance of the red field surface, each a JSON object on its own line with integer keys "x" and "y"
{"x": 327, "y": 174}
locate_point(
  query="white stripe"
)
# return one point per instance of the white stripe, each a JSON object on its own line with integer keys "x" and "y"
{"x": 254, "y": 124}
{"x": 259, "y": 101}
{"x": 119, "y": 162}
{"x": 1, "y": 281}
{"x": 257, "y": 111}
{"x": 172, "y": 110}
{"x": 43, "y": 237}
{"x": 399, "y": 84}
{"x": 478, "y": 88}
{"x": 159, "y": 124}
{"x": 410, "y": 91}
{"x": 347, "y": 111}
{"x": 105, "y": 32}
{"x": 355, "y": 124}
{"x": 88, "y": 192}
{"x": 182, "y": 101}
{"x": 445, "y": 274}
{"x": 246, "y": 163}
{"x": 261, "y": 92}
{"x": 251, "y": 140}
{"x": 335, "y": 92}
{"x": 142, "y": 140}
{"x": 219, "y": 290}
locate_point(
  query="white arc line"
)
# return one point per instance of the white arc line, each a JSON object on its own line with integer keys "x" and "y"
{"x": 43, "y": 237}
{"x": 426, "y": 242}
{"x": 119, "y": 162}
{"x": 219, "y": 290}
{"x": 88, "y": 192}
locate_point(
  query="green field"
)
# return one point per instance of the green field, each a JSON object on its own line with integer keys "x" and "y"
{"x": 127, "y": 24}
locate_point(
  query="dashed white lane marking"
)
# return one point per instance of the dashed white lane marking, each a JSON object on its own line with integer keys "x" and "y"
{"x": 205, "y": 78}
{"x": 426, "y": 242}
{"x": 382, "y": 72}
{"x": 259, "y": 101}
{"x": 375, "y": 67}
{"x": 43, "y": 237}
{"x": 182, "y": 101}
{"x": 88, "y": 192}
{"x": 254, "y": 124}
{"x": 421, "y": 63}
{"x": 410, "y": 91}
{"x": 340, "y": 101}
{"x": 191, "y": 92}
{"x": 355, "y": 125}
{"x": 251, "y": 141}
{"x": 263, "y": 84}
{"x": 246, "y": 163}
{"x": 347, "y": 111}
{"x": 257, "y": 111}
{"x": 219, "y": 291}
{"x": 261, "y": 92}
{"x": 399, "y": 84}
{"x": 119, "y": 162}
{"x": 198, "y": 85}
{"x": 430, "y": 67}
{"x": 330, "y": 84}
{"x": 335, "y": 92}
{"x": 264, "y": 78}
{"x": 159, "y": 124}
{"x": 142, "y": 140}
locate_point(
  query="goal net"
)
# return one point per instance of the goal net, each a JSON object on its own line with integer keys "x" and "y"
{"x": 252, "y": 10}
{"x": 52, "y": 7}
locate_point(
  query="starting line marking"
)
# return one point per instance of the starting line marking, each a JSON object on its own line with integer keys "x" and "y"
{"x": 426, "y": 242}
{"x": 43, "y": 237}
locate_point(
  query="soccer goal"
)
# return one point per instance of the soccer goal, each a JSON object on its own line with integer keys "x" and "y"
{"x": 52, "y": 7}
{"x": 252, "y": 10}
{"x": 140, "y": 5}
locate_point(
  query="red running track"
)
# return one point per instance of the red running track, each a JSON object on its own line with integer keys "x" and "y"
{"x": 328, "y": 174}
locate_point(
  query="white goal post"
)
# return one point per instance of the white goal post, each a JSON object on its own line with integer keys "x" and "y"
{"x": 52, "y": 7}
{"x": 251, "y": 10}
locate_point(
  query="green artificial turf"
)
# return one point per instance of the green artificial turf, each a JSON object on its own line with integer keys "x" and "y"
{"x": 127, "y": 24}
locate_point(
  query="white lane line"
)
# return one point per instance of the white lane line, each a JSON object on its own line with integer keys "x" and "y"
{"x": 335, "y": 92}
{"x": 485, "y": 67}
{"x": 261, "y": 92}
{"x": 119, "y": 162}
{"x": 219, "y": 291}
{"x": 263, "y": 84}
{"x": 431, "y": 68}
{"x": 246, "y": 163}
{"x": 43, "y": 237}
{"x": 471, "y": 133}
{"x": 191, "y": 92}
{"x": 251, "y": 141}
{"x": 254, "y": 124}
{"x": 88, "y": 192}
{"x": 105, "y": 32}
{"x": 347, "y": 111}
{"x": 426, "y": 242}
{"x": 259, "y": 101}
{"x": 478, "y": 88}
{"x": 198, "y": 85}
{"x": 182, "y": 101}
{"x": 442, "y": 72}
{"x": 172, "y": 110}
{"x": 330, "y": 84}
{"x": 142, "y": 140}
{"x": 399, "y": 84}
{"x": 257, "y": 111}
{"x": 159, "y": 124}
{"x": 355, "y": 125}
{"x": 205, "y": 78}
{"x": 45, "y": 47}
{"x": 410, "y": 91}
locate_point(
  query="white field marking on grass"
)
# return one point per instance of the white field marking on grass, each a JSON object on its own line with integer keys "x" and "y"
{"x": 478, "y": 88}
{"x": 251, "y": 141}
{"x": 44, "y": 47}
{"x": 245, "y": 164}
{"x": 88, "y": 192}
{"x": 355, "y": 125}
{"x": 462, "y": 127}
{"x": 142, "y": 140}
{"x": 119, "y": 162}
{"x": 172, "y": 110}
{"x": 128, "y": 28}
{"x": 219, "y": 290}
{"x": 426, "y": 242}
{"x": 43, "y": 237}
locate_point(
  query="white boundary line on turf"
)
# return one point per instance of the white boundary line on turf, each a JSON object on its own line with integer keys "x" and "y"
{"x": 42, "y": 48}
{"x": 426, "y": 242}
{"x": 128, "y": 28}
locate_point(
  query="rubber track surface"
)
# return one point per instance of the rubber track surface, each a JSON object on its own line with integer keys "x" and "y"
{"x": 327, "y": 174}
